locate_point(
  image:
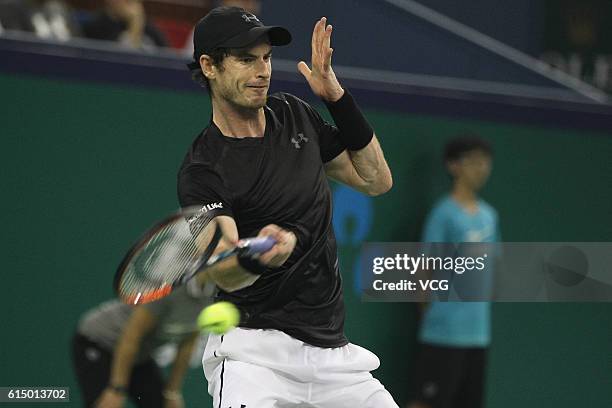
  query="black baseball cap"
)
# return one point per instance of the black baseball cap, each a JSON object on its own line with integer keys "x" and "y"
{"x": 231, "y": 27}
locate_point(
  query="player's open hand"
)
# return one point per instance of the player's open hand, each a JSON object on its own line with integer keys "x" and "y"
{"x": 280, "y": 252}
{"x": 321, "y": 76}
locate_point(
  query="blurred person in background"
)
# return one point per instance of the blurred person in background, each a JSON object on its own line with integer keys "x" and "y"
{"x": 252, "y": 6}
{"x": 112, "y": 349}
{"x": 15, "y": 15}
{"x": 125, "y": 22}
{"x": 454, "y": 336}
{"x": 48, "y": 19}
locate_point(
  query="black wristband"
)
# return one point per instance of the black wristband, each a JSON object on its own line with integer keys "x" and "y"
{"x": 355, "y": 131}
{"x": 251, "y": 265}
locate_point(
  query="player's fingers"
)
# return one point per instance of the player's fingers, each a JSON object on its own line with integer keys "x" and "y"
{"x": 275, "y": 260}
{"x": 327, "y": 36}
{"x": 285, "y": 247}
{"x": 285, "y": 237}
{"x": 282, "y": 238}
{"x": 279, "y": 254}
{"x": 328, "y": 59}
{"x": 327, "y": 47}
{"x": 281, "y": 241}
{"x": 304, "y": 70}
{"x": 322, "y": 29}
{"x": 319, "y": 30}
{"x": 267, "y": 257}
{"x": 323, "y": 42}
{"x": 314, "y": 44}
{"x": 320, "y": 46}
{"x": 314, "y": 34}
{"x": 269, "y": 230}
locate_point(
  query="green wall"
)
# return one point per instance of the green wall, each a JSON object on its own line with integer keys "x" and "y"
{"x": 86, "y": 167}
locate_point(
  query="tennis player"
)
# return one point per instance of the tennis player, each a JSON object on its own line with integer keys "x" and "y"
{"x": 262, "y": 165}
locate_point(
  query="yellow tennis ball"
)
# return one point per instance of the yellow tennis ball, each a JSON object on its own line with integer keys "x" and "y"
{"x": 219, "y": 318}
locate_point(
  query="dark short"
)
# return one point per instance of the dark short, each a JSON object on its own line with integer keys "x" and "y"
{"x": 92, "y": 365}
{"x": 449, "y": 377}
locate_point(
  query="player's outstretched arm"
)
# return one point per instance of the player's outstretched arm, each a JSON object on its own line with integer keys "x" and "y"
{"x": 363, "y": 165}
{"x": 233, "y": 274}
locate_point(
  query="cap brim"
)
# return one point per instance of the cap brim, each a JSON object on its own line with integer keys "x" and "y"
{"x": 278, "y": 36}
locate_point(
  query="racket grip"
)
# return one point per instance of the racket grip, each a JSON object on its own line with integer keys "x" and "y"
{"x": 256, "y": 246}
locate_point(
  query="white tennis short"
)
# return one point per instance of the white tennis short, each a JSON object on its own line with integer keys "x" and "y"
{"x": 252, "y": 368}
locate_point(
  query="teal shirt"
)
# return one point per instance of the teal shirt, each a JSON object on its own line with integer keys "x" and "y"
{"x": 459, "y": 324}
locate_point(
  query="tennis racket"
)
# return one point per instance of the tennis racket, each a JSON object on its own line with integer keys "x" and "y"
{"x": 173, "y": 251}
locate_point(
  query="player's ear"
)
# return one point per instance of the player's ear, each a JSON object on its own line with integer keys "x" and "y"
{"x": 207, "y": 66}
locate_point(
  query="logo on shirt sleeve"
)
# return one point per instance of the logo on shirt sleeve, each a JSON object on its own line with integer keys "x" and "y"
{"x": 205, "y": 208}
{"x": 210, "y": 207}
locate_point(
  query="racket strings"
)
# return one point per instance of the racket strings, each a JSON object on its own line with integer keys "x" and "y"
{"x": 168, "y": 255}
{"x": 164, "y": 258}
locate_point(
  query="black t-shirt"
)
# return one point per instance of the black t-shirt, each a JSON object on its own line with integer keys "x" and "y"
{"x": 278, "y": 179}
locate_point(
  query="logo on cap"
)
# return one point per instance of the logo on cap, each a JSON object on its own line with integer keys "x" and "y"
{"x": 249, "y": 18}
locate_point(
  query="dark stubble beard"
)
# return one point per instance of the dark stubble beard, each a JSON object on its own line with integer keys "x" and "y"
{"x": 248, "y": 110}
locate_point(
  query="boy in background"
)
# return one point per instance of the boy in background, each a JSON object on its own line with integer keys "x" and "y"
{"x": 454, "y": 336}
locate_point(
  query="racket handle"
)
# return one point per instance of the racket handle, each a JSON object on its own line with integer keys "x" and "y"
{"x": 256, "y": 246}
